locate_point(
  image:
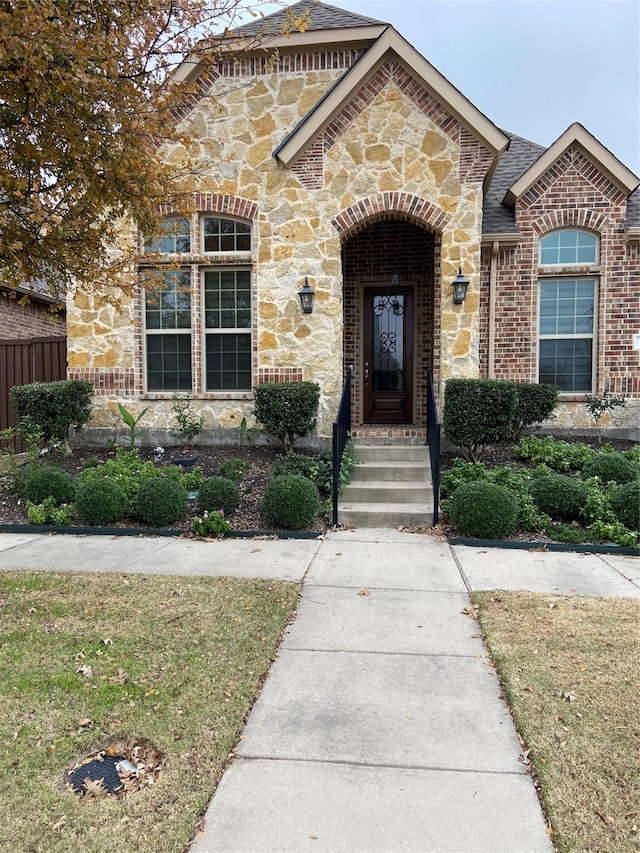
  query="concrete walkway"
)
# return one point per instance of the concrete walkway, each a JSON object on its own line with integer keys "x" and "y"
{"x": 380, "y": 727}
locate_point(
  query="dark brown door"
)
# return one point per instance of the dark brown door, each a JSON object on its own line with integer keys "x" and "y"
{"x": 388, "y": 355}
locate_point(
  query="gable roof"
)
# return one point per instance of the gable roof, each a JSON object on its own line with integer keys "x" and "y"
{"x": 577, "y": 135}
{"x": 389, "y": 42}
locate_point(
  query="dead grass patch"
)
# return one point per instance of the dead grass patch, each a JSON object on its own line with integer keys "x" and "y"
{"x": 90, "y": 659}
{"x": 570, "y": 668}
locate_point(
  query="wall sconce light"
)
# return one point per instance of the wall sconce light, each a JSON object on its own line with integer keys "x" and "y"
{"x": 460, "y": 285}
{"x": 306, "y": 297}
{"x": 395, "y": 279}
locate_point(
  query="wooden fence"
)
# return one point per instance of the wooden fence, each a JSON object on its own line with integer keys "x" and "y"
{"x": 25, "y": 361}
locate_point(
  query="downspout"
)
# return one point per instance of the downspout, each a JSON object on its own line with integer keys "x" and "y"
{"x": 493, "y": 280}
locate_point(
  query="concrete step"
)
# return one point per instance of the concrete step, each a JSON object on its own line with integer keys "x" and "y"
{"x": 391, "y": 453}
{"x": 375, "y": 491}
{"x": 392, "y": 471}
{"x": 385, "y": 515}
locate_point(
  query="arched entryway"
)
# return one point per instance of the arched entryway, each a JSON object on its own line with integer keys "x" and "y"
{"x": 391, "y": 284}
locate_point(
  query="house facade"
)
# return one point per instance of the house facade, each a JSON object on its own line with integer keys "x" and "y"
{"x": 350, "y": 163}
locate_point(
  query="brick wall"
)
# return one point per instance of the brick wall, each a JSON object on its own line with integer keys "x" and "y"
{"x": 571, "y": 194}
{"x": 31, "y": 320}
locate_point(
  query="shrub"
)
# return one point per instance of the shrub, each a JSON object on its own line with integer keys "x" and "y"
{"x": 625, "y": 504}
{"x": 161, "y": 501}
{"x": 218, "y": 493}
{"x": 127, "y": 470}
{"x": 100, "y": 502}
{"x": 559, "y": 455}
{"x": 290, "y": 501}
{"x": 317, "y": 467}
{"x": 54, "y": 407}
{"x": 610, "y": 468}
{"x": 287, "y": 410}
{"x": 558, "y": 496}
{"x": 38, "y": 482}
{"x": 483, "y": 509}
{"x": 234, "y": 468}
{"x": 534, "y": 404}
{"x": 48, "y": 513}
{"x": 478, "y": 412}
{"x": 211, "y": 525}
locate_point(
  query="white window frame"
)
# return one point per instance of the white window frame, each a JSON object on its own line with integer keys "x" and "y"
{"x": 162, "y": 332}
{"x": 559, "y": 264}
{"x": 148, "y": 250}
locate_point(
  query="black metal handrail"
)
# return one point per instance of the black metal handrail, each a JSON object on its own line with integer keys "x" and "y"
{"x": 434, "y": 427}
{"x": 341, "y": 431}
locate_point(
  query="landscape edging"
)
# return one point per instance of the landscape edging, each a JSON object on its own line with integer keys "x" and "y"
{"x": 622, "y": 550}
{"x": 149, "y": 531}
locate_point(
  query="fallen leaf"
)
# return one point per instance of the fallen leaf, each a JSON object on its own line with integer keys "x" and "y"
{"x": 85, "y": 670}
{"x": 107, "y": 641}
{"x": 120, "y": 677}
{"x": 84, "y": 722}
{"x": 569, "y": 697}
{"x": 60, "y": 823}
{"x": 95, "y": 787}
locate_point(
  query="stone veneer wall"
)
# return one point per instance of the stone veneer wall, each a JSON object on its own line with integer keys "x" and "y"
{"x": 572, "y": 194}
{"x": 393, "y": 151}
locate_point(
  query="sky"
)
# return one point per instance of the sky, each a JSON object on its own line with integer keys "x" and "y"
{"x": 533, "y": 67}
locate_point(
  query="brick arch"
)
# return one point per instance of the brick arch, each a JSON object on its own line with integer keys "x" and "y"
{"x": 588, "y": 220}
{"x": 412, "y": 208}
{"x": 216, "y": 203}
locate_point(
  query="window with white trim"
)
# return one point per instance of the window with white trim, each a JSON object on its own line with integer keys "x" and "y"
{"x": 567, "y": 320}
{"x": 212, "y": 300}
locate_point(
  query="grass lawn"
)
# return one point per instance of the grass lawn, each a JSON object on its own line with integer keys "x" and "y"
{"x": 90, "y": 660}
{"x": 570, "y": 668}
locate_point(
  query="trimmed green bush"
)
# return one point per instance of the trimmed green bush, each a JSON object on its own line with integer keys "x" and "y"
{"x": 534, "y": 404}
{"x": 218, "y": 493}
{"x": 478, "y": 412}
{"x": 128, "y": 471}
{"x": 38, "y": 482}
{"x": 559, "y": 455}
{"x": 317, "y": 467}
{"x": 54, "y": 407}
{"x": 161, "y": 501}
{"x": 100, "y": 502}
{"x": 560, "y": 497}
{"x": 287, "y": 410}
{"x": 290, "y": 501}
{"x": 610, "y": 468}
{"x": 483, "y": 510}
{"x": 625, "y": 504}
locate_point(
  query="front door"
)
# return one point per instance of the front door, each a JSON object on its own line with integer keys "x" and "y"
{"x": 387, "y": 377}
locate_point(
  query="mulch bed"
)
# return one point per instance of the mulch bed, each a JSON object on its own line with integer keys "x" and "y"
{"x": 210, "y": 458}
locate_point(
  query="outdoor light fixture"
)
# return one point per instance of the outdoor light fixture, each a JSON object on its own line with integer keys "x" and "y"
{"x": 306, "y": 297}
{"x": 395, "y": 279}
{"x": 460, "y": 285}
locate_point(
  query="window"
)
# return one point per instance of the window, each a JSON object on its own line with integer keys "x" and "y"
{"x": 225, "y": 235}
{"x": 567, "y": 313}
{"x": 200, "y": 339}
{"x": 176, "y": 238}
{"x": 566, "y": 333}
{"x": 227, "y": 315}
{"x": 568, "y": 247}
{"x": 168, "y": 330}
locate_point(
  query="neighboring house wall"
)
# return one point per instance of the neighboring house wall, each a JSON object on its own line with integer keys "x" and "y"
{"x": 31, "y": 319}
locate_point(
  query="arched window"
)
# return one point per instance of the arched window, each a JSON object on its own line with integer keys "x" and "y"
{"x": 567, "y": 308}
{"x": 568, "y": 247}
{"x": 175, "y": 238}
